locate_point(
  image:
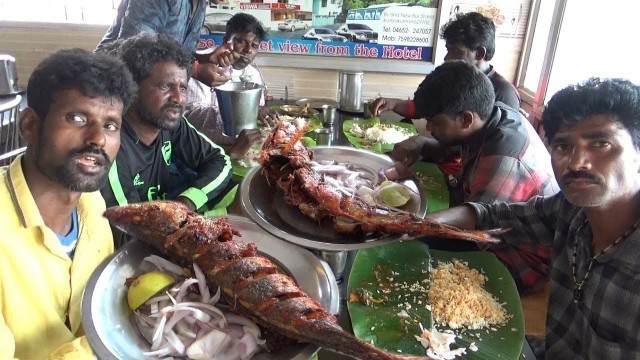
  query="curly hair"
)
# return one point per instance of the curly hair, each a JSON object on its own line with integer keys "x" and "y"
{"x": 472, "y": 29}
{"x": 94, "y": 75}
{"x": 141, "y": 52}
{"x": 453, "y": 87}
{"x": 244, "y": 23}
{"x": 617, "y": 98}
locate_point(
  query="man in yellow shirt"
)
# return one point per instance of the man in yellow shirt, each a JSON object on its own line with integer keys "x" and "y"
{"x": 53, "y": 232}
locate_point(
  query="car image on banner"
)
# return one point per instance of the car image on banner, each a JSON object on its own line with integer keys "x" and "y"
{"x": 358, "y": 33}
{"x": 323, "y": 34}
{"x": 215, "y": 22}
{"x": 292, "y": 25}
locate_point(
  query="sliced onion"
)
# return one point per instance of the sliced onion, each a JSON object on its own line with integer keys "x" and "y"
{"x": 165, "y": 265}
{"x": 202, "y": 283}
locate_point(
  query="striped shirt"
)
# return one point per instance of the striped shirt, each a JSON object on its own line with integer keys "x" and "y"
{"x": 605, "y": 324}
{"x": 145, "y": 173}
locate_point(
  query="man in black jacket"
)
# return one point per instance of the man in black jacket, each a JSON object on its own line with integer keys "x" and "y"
{"x": 162, "y": 156}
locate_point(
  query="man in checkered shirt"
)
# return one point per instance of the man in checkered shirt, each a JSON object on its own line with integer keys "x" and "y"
{"x": 591, "y": 225}
{"x": 503, "y": 158}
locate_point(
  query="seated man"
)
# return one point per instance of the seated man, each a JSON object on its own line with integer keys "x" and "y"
{"x": 471, "y": 37}
{"x": 503, "y": 159}
{"x": 592, "y": 225}
{"x": 243, "y": 36}
{"x": 159, "y": 146}
{"x": 53, "y": 231}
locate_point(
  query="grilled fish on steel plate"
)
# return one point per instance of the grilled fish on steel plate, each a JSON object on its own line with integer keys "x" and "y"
{"x": 250, "y": 283}
{"x": 287, "y": 163}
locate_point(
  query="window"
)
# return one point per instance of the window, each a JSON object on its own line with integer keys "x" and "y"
{"x": 572, "y": 40}
{"x": 324, "y": 3}
{"x": 66, "y": 11}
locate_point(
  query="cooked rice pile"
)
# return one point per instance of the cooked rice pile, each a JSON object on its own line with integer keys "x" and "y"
{"x": 458, "y": 300}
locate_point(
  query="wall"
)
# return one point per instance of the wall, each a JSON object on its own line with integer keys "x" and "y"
{"x": 31, "y": 42}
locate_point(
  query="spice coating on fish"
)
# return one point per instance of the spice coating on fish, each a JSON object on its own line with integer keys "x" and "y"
{"x": 287, "y": 163}
{"x": 249, "y": 282}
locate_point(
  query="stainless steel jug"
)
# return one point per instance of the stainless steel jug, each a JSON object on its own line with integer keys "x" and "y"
{"x": 8, "y": 75}
{"x": 239, "y": 103}
{"x": 350, "y": 91}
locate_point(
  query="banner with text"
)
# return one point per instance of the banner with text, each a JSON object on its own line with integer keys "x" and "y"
{"x": 394, "y": 31}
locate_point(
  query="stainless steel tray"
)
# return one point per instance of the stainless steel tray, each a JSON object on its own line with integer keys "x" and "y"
{"x": 265, "y": 205}
{"x": 108, "y": 321}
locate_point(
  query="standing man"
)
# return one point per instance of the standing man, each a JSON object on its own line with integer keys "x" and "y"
{"x": 471, "y": 37}
{"x": 54, "y": 234}
{"x": 162, "y": 155}
{"x": 592, "y": 225}
{"x": 182, "y": 20}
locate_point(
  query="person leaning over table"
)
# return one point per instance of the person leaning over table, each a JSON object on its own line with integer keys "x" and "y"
{"x": 591, "y": 225}
{"x": 162, "y": 156}
{"x": 503, "y": 159}
{"x": 245, "y": 33}
{"x": 471, "y": 37}
{"x": 53, "y": 231}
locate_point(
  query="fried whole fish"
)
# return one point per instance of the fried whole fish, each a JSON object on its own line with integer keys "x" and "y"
{"x": 250, "y": 283}
{"x": 287, "y": 163}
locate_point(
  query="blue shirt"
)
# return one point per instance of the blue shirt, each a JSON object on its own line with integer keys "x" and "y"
{"x": 70, "y": 240}
{"x": 180, "y": 19}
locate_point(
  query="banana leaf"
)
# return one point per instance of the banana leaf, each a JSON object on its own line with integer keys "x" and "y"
{"x": 313, "y": 121}
{"x": 375, "y": 146}
{"x": 408, "y": 262}
{"x": 432, "y": 181}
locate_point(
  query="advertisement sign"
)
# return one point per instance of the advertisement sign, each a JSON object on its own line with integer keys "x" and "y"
{"x": 344, "y": 28}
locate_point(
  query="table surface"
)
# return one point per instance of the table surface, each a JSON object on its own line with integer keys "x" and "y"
{"x": 534, "y": 305}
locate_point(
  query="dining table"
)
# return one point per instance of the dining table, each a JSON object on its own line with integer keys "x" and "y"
{"x": 437, "y": 192}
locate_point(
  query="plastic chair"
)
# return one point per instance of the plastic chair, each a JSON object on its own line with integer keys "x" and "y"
{"x": 9, "y": 131}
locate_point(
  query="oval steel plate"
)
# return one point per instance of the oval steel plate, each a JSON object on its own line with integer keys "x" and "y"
{"x": 266, "y": 206}
{"x": 108, "y": 321}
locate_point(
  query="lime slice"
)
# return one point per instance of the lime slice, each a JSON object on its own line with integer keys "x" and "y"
{"x": 146, "y": 286}
{"x": 395, "y": 195}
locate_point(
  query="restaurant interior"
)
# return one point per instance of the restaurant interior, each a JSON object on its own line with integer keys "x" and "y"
{"x": 542, "y": 46}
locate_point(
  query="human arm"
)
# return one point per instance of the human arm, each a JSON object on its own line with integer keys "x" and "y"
{"x": 499, "y": 178}
{"x": 401, "y": 107}
{"x": 416, "y": 147}
{"x": 207, "y": 159}
{"x": 213, "y": 69}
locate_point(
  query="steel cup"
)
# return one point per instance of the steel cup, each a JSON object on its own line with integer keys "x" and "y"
{"x": 324, "y": 137}
{"x": 328, "y": 114}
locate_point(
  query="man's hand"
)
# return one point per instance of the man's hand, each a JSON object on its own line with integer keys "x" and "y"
{"x": 383, "y": 104}
{"x": 408, "y": 151}
{"x": 266, "y": 116}
{"x": 215, "y": 70}
{"x": 238, "y": 150}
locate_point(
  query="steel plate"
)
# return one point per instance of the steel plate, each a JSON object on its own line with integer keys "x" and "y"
{"x": 317, "y": 103}
{"x": 265, "y": 205}
{"x": 108, "y": 321}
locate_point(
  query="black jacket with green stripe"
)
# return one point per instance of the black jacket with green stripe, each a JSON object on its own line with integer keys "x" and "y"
{"x": 180, "y": 162}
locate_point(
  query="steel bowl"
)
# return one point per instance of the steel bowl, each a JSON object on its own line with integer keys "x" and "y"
{"x": 109, "y": 322}
{"x": 265, "y": 204}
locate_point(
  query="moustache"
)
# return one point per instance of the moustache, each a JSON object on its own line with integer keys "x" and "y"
{"x": 177, "y": 107}
{"x": 94, "y": 150}
{"x": 581, "y": 175}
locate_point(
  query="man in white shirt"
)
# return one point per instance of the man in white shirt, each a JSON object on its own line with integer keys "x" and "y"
{"x": 243, "y": 36}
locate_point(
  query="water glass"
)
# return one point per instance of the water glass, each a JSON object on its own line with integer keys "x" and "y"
{"x": 324, "y": 137}
{"x": 328, "y": 114}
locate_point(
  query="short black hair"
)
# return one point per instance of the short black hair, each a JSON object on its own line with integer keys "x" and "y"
{"x": 143, "y": 51}
{"x": 472, "y": 29}
{"x": 453, "y": 87}
{"x": 617, "y": 98}
{"x": 245, "y": 23}
{"x": 94, "y": 75}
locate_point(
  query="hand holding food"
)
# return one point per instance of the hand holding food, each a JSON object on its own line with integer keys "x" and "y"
{"x": 382, "y": 104}
{"x": 244, "y": 142}
{"x": 408, "y": 151}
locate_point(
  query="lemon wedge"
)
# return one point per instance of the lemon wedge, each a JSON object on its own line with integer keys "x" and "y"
{"x": 146, "y": 286}
{"x": 394, "y": 195}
